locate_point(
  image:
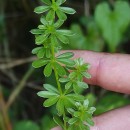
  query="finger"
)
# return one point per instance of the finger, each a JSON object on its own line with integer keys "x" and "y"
{"x": 110, "y": 71}
{"x": 118, "y": 119}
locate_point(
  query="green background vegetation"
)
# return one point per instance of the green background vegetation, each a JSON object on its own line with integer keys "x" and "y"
{"x": 99, "y": 25}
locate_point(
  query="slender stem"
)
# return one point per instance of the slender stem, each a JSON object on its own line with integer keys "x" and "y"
{"x": 55, "y": 71}
{"x": 65, "y": 125}
{"x": 19, "y": 88}
{"x": 2, "y": 127}
{"x": 4, "y": 113}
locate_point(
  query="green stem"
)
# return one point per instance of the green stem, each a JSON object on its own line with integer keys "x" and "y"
{"x": 65, "y": 125}
{"x": 55, "y": 71}
{"x": 53, "y": 1}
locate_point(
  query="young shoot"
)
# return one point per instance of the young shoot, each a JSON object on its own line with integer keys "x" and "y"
{"x": 73, "y": 109}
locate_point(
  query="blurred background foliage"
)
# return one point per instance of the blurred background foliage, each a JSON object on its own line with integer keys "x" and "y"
{"x": 99, "y": 25}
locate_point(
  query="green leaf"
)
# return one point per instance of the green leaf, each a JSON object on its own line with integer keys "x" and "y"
{"x": 65, "y": 32}
{"x": 40, "y": 39}
{"x": 60, "y": 106}
{"x": 39, "y": 63}
{"x": 87, "y": 75}
{"x": 41, "y": 9}
{"x": 86, "y": 103}
{"x": 37, "y": 31}
{"x": 82, "y": 85}
{"x": 61, "y": 71}
{"x": 67, "y": 62}
{"x": 63, "y": 80}
{"x": 54, "y": 40}
{"x": 68, "y": 102}
{"x": 42, "y": 27}
{"x": 48, "y": 2}
{"x": 50, "y": 88}
{"x": 41, "y": 53}
{"x": 36, "y": 50}
{"x": 72, "y": 121}
{"x": 71, "y": 111}
{"x": 58, "y": 121}
{"x": 59, "y": 2}
{"x": 92, "y": 110}
{"x": 77, "y": 114}
{"x": 48, "y": 70}
{"x": 59, "y": 23}
{"x": 67, "y": 10}
{"x": 47, "y": 52}
{"x": 62, "y": 38}
{"x": 90, "y": 121}
{"x": 68, "y": 85}
{"x": 113, "y": 23}
{"x": 62, "y": 16}
{"x": 86, "y": 127}
{"x": 76, "y": 88}
{"x": 51, "y": 101}
{"x": 26, "y": 125}
{"x": 76, "y": 97}
{"x": 50, "y": 15}
{"x": 46, "y": 94}
{"x": 72, "y": 75}
{"x": 43, "y": 21}
{"x": 67, "y": 55}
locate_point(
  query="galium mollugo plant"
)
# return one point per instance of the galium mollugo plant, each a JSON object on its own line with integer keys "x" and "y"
{"x": 73, "y": 110}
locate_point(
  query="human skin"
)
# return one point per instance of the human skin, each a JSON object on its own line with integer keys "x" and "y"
{"x": 111, "y": 72}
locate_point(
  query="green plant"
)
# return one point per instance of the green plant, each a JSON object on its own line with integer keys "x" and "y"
{"x": 73, "y": 110}
{"x": 113, "y": 23}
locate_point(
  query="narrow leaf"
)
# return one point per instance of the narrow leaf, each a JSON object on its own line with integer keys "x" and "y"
{"x": 71, "y": 111}
{"x": 82, "y": 84}
{"x": 50, "y": 15}
{"x": 67, "y": 62}
{"x": 92, "y": 110}
{"x": 50, "y": 88}
{"x": 90, "y": 121}
{"x": 63, "y": 80}
{"x": 87, "y": 75}
{"x": 48, "y": 70}
{"x": 40, "y": 39}
{"x": 65, "y": 32}
{"x": 58, "y": 121}
{"x": 48, "y": 2}
{"x": 60, "y": 106}
{"x": 61, "y": 71}
{"x": 43, "y": 21}
{"x": 76, "y": 97}
{"x": 62, "y": 16}
{"x": 35, "y": 50}
{"x": 41, "y": 9}
{"x": 39, "y": 63}
{"x": 66, "y": 55}
{"x": 59, "y": 2}
{"x": 41, "y": 53}
{"x": 54, "y": 40}
{"x": 62, "y": 38}
{"x": 37, "y": 31}
{"x": 59, "y": 23}
{"x": 68, "y": 10}
{"x": 46, "y": 94}
{"x": 68, "y": 85}
{"x": 72, "y": 121}
{"x": 51, "y": 101}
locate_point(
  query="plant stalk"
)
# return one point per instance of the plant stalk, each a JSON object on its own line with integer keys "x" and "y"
{"x": 55, "y": 71}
